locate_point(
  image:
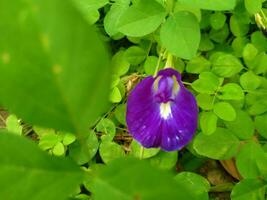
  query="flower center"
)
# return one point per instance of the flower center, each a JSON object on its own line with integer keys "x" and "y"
{"x": 165, "y": 110}
{"x": 165, "y": 89}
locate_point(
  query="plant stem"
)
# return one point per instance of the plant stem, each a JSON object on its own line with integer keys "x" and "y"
{"x": 225, "y": 187}
{"x": 142, "y": 153}
{"x": 159, "y": 60}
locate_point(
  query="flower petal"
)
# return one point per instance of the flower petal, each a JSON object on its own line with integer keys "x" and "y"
{"x": 168, "y": 125}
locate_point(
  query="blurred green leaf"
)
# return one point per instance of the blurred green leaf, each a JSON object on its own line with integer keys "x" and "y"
{"x": 180, "y": 34}
{"x": 220, "y": 145}
{"x": 195, "y": 183}
{"x": 36, "y": 174}
{"x": 129, "y": 178}
{"x": 53, "y": 68}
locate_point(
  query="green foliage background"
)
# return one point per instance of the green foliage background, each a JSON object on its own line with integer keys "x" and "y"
{"x": 67, "y": 67}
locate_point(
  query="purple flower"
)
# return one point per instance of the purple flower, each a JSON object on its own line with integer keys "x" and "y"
{"x": 161, "y": 112}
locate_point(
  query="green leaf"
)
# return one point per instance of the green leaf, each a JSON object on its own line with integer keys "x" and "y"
{"x": 120, "y": 63}
{"x": 139, "y": 151}
{"x": 165, "y": 160}
{"x": 225, "y": 111}
{"x": 150, "y": 65}
{"x": 250, "y": 81}
{"x": 237, "y": 27}
{"x": 115, "y": 95}
{"x": 120, "y": 114}
{"x": 253, "y": 6}
{"x": 246, "y": 160}
{"x": 242, "y": 126}
{"x": 180, "y": 34}
{"x": 36, "y": 174}
{"x": 259, "y": 65}
{"x": 211, "y": 4}
{"x": 135, "y": 55}
{"x": 207, "y": 83}
{"x": 142, "y": 18}
{"x": 58, "y": 149}
{"x": 261, "y": 125}
{"x": 249, "y": 53}
{"x": 182, "y": 7}
{"x": 205, "y": 101}
{"x": 40, "y": 131}
{"x": 13, "y": 125}
{"x": 220, "y": 35}
{"x": 221, "y": 145}
{"x": 82, "y": 154}
{"x": 259, "y": 41}
{"x": 68, "y": 138}
{"x": 110, "y": 151}
{"x": 107, "y": 127}
{"x": 238, "y": 45}
{"x": 116, "y": 11}
{"x": 48, "y": 141}
{"x": 226, "y": 65}
{"x": 135, "y": 179}
{"x": 89, "y": 9}
{"x": 217, "y": 20}
{"x": 195, "y": 183}
{"x": 45, "y": 68}
{"x": 205, "y": 43}
{"x": 208, "y": 122}
{"x": 252, "y": 189}
{"x": 198, "y": 65}
{"x": 231, "y": 91}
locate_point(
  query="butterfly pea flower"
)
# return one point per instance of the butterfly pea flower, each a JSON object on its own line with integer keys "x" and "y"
{"x": 161, "y": 112}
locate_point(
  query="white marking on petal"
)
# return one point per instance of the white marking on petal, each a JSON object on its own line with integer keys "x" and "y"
{"x": 165, "y": 110}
